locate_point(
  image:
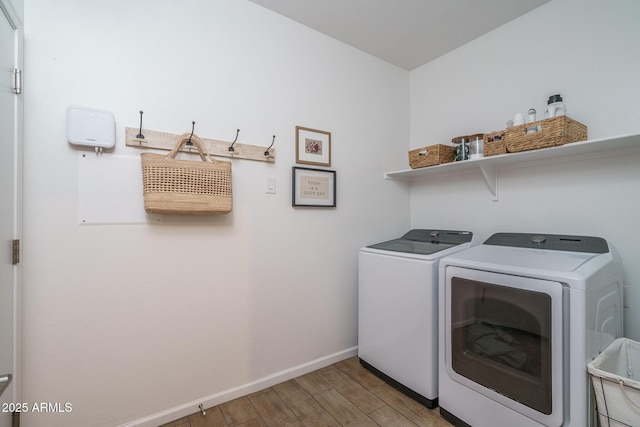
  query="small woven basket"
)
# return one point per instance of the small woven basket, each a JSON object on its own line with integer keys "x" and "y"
{"x": 495, "y": 143}
{"x": 186, "y": 187}
{"x": 548, "y": 133}
{"x": 430, "y": 156}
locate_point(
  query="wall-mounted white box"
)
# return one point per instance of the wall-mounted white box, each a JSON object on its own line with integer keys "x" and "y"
{"x": 90, "y": 127}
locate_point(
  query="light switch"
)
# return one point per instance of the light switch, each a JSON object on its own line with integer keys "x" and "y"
{"x": 271, "y": 185}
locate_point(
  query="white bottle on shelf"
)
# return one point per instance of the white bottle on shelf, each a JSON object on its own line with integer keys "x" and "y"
{"x": 555, "y": 106}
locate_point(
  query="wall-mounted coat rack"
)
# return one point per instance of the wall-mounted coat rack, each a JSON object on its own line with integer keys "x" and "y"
{"x": 145, "y": 138}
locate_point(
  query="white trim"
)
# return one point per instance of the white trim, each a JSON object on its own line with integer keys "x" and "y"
{"x": 14, "y": 17}
{"x": 189, "y": 408}
{"x": 11, "y": 13}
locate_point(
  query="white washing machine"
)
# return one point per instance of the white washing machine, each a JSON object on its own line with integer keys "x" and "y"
{"x": 521, "y": 316}
{"x": 398, "y": 308}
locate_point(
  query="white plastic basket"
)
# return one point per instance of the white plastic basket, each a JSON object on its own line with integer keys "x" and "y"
{"x": 614, "y": 374}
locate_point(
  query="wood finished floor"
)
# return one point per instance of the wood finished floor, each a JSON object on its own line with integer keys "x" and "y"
{"x": 343, "y": 394}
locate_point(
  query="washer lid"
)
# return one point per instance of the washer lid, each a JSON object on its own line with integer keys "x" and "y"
{"x": 425, "y": 242}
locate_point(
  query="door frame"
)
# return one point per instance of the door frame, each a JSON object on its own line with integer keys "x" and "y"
{"x": 8, "y": 9}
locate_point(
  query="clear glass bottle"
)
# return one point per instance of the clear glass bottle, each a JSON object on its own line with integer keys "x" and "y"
{"x": 461, "y": 151}
{"x": 476, "y": 146}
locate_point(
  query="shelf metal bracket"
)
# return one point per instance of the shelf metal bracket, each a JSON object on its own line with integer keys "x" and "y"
{"x": 490, "y": 176}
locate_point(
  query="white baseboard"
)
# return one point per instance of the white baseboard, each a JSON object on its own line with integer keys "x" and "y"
{"x": 189, "y": 408}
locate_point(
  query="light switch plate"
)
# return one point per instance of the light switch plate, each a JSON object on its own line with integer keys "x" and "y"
{"x": 271, "y": 185}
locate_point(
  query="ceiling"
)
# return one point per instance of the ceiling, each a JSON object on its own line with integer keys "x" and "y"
{"x": 407, "y": 33}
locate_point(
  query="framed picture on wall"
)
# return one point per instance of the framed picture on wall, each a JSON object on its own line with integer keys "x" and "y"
{"x": 313, "y": 147}
{"x": 313, "y": 187}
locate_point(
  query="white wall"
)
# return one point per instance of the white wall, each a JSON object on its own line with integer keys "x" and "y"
{"x": 125, "y": 321}
{"x": 581, "y": 49}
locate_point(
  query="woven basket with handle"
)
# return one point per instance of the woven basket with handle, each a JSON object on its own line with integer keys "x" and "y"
{"x": 430, "y": 156}
{"x": 546, "y": 133}
{"x": 186, "y": 187}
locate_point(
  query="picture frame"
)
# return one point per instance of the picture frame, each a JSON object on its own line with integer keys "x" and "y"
{"x": 313, "y": 187}
{"x": 313, "y": 147}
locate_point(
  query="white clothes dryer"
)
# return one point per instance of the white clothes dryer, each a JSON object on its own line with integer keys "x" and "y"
{"x": 398, "y": 308}
{"x": 521, "y": 317}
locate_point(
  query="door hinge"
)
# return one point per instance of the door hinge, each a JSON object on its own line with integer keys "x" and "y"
{"x": 17, "y": 81}
{"x": 16, "y": 251}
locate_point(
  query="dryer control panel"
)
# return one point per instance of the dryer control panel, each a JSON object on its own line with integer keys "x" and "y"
{"x": 556, "y": 242}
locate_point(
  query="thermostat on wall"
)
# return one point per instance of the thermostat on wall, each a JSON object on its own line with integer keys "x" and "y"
{"x": 90, "y": 127}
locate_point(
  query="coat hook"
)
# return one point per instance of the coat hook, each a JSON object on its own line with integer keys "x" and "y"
{"x": 266, "y": 152}
{"x": 140, "y": 135}
{"x": 234, "y": 141}
{"x": 193, "y": 126}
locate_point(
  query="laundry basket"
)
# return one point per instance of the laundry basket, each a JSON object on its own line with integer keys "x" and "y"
{"x": 615, "y": 374}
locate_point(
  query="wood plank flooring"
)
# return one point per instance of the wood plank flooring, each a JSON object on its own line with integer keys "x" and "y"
{"x": 343, "y": 394}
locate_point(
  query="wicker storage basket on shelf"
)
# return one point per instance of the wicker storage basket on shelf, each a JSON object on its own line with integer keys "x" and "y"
{"x": 550, "y": 132}
{"x": 430, "y": 156}
{"x": 495, "y": 143}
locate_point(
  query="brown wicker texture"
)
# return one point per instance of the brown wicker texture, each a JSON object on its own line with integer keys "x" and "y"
{"x": 552, "y": 132}
{"x": 186, "y": 187}
{"x": 430, "y": 156}
{"x": 493, "y": 146}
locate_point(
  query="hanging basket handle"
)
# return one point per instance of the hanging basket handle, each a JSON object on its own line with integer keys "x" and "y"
{"x": 196, "y": 141}
{"x": 630, "y": 374}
